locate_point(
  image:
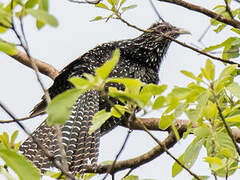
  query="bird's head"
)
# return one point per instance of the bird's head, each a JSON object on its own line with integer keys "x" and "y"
{"x": 167, "y": 29}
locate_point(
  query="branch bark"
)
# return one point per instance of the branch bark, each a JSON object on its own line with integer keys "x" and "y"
{"x": 205, "y": 11}
{"x": 133, "y": 163}
{"x": 43, "y": 67}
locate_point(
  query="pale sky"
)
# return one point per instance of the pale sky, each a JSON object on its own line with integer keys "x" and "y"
{"x": 75, "y": 35}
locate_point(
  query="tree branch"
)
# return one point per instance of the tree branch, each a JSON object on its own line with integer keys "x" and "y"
{"x": 43, "y": 67}
{"x": 133, "y": 163}
{"x": 205, "y": 11}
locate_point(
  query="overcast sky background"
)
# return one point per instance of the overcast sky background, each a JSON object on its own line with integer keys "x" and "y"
{"x": 75, "y": 35}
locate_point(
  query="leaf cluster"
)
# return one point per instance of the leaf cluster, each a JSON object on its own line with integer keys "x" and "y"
{"x": 17, "y": 10}
{"x": 114, "y": 7}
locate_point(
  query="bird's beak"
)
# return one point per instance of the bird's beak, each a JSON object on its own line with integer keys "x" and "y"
{"x": 183, "y": 31}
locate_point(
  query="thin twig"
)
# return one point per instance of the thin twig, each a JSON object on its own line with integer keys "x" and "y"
{"x": 166, "y": 150}
{"x": 193, "y": 7}
{"x": 224, "y": 122}
{"x": 204, "y": 33}
{"x": 156, "y": 11}
{"x": 25, "y": 46}
{"x": 228, "y": 9}
{"x": 20, "y": 119}
{"x": 85, "y": 2}
{"x": 169, "y": 142}
{"x": 213, "y": 133}
{"x": 117, "y": 156}
{"x": 129, "y": 172}
{"x": 178, "y": 42}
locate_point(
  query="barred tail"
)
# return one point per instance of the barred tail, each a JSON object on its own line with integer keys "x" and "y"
{"x": 45, "y": 135}
{"x": 81, "y": 148}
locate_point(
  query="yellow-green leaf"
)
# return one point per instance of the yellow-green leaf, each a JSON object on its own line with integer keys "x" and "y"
{"x": 104, "y": 71}
{"x": 166, "y": 121}
{"x": 98, "y": 119}
{"x": 101, "y": 5}
{"x": 235, "y": 118}
{"x": 159, "y": 102}
{"x": 20, "y": 164}
{"x": 210, "y": 69}
{"x": 8, "y": 48}
{"x": 59, "y": 109}
{"x": 213, "y": 160}
{"x": 43, "y": 16}
{"x": 234, "y": 88}
{"x": 176, "y": 168}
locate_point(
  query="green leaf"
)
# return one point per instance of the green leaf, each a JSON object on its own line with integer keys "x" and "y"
{"x": 115, "y": 109}
{"x": 179, "y": 110}
{"x": 130, "y": 177}
{"x": 43, "y": 16}
{"x": 227, "y": 44}
{"x": 180, "y": 92}
{"x": 202, "y": 178}
{"x": 97, "y": 18}
{"x": 226, "y": 152}
{"x": 113, "y": 2}
{"x": 225, "y": 78}
{"x": 101, "y": 5}
{"x": 191, "y": 75}
{"x": 213, "y": 160}
{"x": 153, "y": 89}
{"x": 175, "y": 131}
{"x": 104, "y": 71}
{"x": 234, "y": 88}
{"x": 43, "y": 5}
{"x": 150, "y": 90}
{"x": 82, "y": 83}
{"x": 193, "y": 114}
{"x": 203, "y": 99}
{"x": 120, "y": 95}
{"x": 129, "y": 7}
{"x": 159, "y": 102}
{"x": 235, "y": 30}
{"x": 191, "y": 153}
{"x": 98, "y": 119}
{"x": 8, "y": 48}
{"x": 210, "y": 69}
{"x": 31, "y": 3}
{"x": 20, "y": 164}
{"x": 59, "y": 109}
{"x": 222, "y": 141}
{"x": 88, "y": 176}
{"x": 166, "y": 121}
{"x": 201, "y": 132}
{"x": 220, "y": 27}
{"x": 235, "y": 118}
{"x": 13, "y": 137}
{"x": 4, "y": 138}
{"x": 55, "y": 175}
{"x": 5, "y": 18}
{"x": 122, "y": 2}
{"x": 176, "y": 168}
{"x": 210, "y": 111}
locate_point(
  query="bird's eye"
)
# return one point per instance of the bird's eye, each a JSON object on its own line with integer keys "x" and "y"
{"x": 164, "y": 29}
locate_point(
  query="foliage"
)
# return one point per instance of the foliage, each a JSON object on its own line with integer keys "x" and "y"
{"x": 209, "y": 100}
{"x": 17, "y": 162}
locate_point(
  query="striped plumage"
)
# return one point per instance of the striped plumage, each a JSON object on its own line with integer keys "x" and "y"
{"x": 139, "y": 58}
